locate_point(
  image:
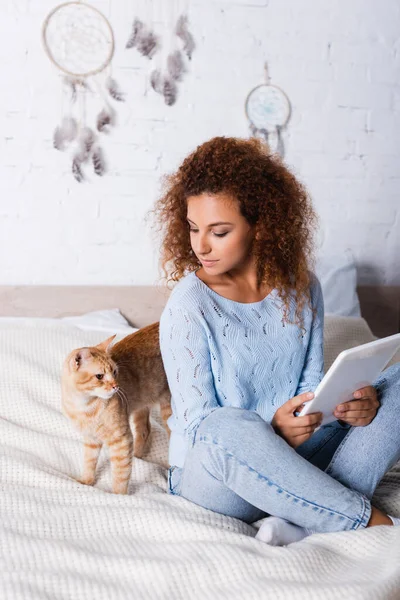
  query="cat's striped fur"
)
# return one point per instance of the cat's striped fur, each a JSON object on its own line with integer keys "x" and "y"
{"x": 102, "y": 387}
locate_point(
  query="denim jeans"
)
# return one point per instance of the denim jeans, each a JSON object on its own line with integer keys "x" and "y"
{"x": 240, "y": 467}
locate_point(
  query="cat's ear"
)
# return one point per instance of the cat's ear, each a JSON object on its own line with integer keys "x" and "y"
{"x": 105, "y": 346}
{"x": 79, "y": 358}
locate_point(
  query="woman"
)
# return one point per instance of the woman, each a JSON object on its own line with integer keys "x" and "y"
{"x": 242, "y": 344}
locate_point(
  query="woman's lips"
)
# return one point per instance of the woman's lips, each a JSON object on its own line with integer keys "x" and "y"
{"x": 208, "y": 263}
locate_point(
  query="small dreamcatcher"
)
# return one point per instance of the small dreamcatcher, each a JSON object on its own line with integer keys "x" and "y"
{"x": 268, "y": 110}
{"x": 170, "y": 52}
{"x": 79, "y": 41}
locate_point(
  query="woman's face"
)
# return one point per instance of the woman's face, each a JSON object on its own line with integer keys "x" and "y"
{"x": 220, "y": 236}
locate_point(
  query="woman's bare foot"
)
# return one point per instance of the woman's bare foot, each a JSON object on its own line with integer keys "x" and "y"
{"x": 378, "y": 518}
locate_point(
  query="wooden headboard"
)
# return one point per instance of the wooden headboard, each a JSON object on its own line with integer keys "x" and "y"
{"x": 141, "y": 305}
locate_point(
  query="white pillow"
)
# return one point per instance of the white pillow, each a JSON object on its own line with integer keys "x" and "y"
{"x": 108, "y": 321}
{"x": 338, "y": 277}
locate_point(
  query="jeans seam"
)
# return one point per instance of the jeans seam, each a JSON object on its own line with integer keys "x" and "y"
{"x": 338, "y": 451}
{"x": 356, "y": 522}
{"x": 366, "y": 514}
{"x": 170, "y": 488}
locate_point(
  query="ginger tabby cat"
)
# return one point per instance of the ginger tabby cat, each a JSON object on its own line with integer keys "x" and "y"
{"x": 102, "y": 386}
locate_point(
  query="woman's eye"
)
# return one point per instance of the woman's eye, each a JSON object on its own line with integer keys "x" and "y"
{"x": 220, "y": 234}
{"x": 193, "y": 230}
{"x": 100, "y": 376}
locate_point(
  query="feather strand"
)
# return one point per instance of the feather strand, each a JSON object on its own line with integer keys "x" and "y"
{"x": 156, "y": 81}
{"x": 105, "y": 118}
{"x": 148, "y": 44}
{"x": 77, "y": 169}
{"x": 170, "y": 91}
{"x": 176, "y": 65}
{"x": 98, "y": 161}
{"x": 182, "y": 31}
{"x": 113, "y": 90}
{"x": 137, "y": 27}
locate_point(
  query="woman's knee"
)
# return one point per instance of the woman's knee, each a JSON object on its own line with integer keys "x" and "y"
{"x": 232, "y": 424}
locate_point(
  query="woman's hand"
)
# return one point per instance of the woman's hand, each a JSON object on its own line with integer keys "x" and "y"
{"x": 295, "y": 430}
{"x": 359, "y": 412}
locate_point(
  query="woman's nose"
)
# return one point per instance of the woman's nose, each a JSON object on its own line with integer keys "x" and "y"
{"x": 203, "y": 247}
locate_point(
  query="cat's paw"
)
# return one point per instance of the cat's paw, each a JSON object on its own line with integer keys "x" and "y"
{"x": 86, "y": 480}
{"x": 138, "y": 451}
{"x": 120, "y": 489}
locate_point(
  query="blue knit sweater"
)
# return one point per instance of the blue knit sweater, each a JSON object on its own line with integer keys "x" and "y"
{"x": 218, "y": 352}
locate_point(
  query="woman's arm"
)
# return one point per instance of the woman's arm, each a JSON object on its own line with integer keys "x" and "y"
{"x": 313, "y": 369}
{"x": 187, "y": 362}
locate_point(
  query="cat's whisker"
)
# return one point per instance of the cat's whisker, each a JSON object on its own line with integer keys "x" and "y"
{"x": 123, "y": 398}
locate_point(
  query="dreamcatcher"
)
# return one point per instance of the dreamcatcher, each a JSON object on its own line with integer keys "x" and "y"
{"x": 170, "y": 52}
{"x": 79, "y": 41}
{"x": 268, "y": 110}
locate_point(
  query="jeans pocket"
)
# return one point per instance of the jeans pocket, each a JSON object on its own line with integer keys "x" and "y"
{"x": 174, "y": 481}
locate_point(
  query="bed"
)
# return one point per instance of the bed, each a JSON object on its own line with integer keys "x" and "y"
{"x": 62, "y": 540}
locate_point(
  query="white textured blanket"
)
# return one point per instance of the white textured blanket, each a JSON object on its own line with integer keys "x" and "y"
{"x": 62, "y": 540}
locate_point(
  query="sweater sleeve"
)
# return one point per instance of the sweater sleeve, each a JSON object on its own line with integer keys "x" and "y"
{"x": 187, "y": 363}
{"x": 313, "y": 369}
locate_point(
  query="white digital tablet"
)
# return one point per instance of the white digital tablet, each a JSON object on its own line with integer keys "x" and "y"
{"x": 353, "y": 369}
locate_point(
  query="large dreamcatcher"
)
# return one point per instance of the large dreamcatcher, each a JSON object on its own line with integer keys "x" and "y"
{"x": 79, "y": 41}
{"x": 268, "y": 111}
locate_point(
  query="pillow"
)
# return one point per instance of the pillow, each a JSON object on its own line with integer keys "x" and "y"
{"x": 110, "y": 320}
{"x": 338, "y": 278}
{"x": 107, "y": 321}
{"x": 342, "y": 333}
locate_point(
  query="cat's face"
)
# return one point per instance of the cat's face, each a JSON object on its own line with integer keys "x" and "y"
{"x": 93, "y": 372}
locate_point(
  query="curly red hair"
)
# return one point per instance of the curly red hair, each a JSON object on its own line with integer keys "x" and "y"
{"x": 270, "y": 198}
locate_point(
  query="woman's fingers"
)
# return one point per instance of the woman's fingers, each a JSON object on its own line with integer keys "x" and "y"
{"x": 367, "y": 391}
{"x": 357, "y": 409}
{"x": 313, "y": 419}
{"x": 364, "y": 404}
{"x": 357, "y": 414}
{"x": 299, "y": 431}
{"x": 297, "y": 401}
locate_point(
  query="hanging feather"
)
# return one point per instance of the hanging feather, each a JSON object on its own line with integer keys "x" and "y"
{"x": 77, "y": 169}
{"x": 147, "y": 44}
{"x": 104, "y": 119}
{"x": 176, "y": 66}
{"x": 170, "y": 91}
{"x": 69, "y": 126}
{"x": 280, "y": 145}
{"x": 65, "y": 133}
{"x": 98, "y": 161}
{"x": 59, "y": 139}
{"x": 113, "y": 90}
{"x": 87, "y": 139}
{"x": 156, "y": 81}
{"x": 137, "y": 28}
{"x": 184, "y": 34}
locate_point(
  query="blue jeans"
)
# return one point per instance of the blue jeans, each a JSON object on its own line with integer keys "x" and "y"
{"x": 240, "y": 467}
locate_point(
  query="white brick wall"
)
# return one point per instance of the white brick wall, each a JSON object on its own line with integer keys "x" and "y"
{"x": 337, "y": 61}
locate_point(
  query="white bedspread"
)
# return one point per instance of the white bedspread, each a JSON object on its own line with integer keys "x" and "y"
{"x": 62, "y": 540}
